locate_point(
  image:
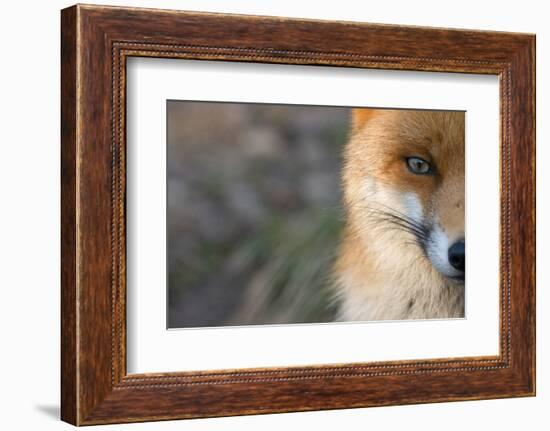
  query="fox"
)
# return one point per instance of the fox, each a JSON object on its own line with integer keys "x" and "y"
{"x": 402, "y": 251}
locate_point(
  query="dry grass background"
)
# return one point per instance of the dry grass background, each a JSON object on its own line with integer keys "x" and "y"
{"x": 254, "y": 212}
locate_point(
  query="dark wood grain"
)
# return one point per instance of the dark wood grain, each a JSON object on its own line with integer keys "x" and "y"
{"x": 68, "y": 218}
{"x": 96, "y": 41}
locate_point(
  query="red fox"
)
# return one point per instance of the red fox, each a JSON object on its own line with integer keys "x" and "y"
{"x": 402, "y": 254}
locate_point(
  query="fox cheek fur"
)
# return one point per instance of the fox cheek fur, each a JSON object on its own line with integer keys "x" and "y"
{"x": 402, "y": 252}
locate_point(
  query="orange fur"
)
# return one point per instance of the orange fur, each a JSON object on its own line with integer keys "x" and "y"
{"x": 382, "y": 272}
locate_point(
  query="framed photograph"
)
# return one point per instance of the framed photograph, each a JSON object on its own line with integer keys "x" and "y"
{"x": 265, "y": 215}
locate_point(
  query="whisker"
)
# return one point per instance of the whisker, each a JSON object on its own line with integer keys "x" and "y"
{"x": 391, "y": 219}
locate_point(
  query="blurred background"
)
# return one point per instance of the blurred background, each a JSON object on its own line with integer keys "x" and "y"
{"x": 254, "y": 212}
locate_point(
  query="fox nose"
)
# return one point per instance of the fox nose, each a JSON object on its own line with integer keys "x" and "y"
{"x": 457, "y": 255}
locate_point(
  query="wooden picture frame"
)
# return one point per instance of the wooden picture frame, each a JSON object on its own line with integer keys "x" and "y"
{"x": 95, "y": 43}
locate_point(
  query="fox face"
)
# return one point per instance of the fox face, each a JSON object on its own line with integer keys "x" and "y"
{"x": 403, "y": 187}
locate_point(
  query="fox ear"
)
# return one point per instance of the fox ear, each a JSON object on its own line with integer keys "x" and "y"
{"x": 360, "y": 116}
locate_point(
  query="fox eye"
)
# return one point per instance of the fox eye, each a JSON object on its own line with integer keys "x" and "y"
{"x": 419, "y": 166}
